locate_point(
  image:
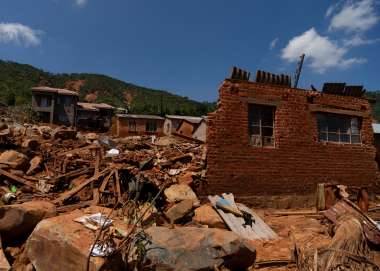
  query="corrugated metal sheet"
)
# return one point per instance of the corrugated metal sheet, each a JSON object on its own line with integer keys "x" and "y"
{"x": 131, "y": 116}
{"x": 258, "y": 231}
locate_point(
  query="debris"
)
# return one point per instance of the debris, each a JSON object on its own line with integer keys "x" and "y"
{"x": 346, "y": 207}
{"x": 95, "y": 221}
{"x": 207, "y": 215}
{"x": 4, "y": 264}
{"x": 35, "y": 165}
{"x": 112, "y": 153}
{"x": 241, "y": 219}
{"x": 190, "y": 248}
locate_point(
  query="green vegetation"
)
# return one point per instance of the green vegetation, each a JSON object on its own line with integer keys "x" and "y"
{"x": 16, "y": 80}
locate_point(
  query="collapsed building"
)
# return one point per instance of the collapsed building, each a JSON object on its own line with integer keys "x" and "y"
{"x": 268, "y": 138}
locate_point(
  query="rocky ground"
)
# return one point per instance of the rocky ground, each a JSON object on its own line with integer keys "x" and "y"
{"x": 133, "y": 203}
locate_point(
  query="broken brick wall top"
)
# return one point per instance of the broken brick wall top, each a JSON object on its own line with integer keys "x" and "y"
{"x": 298, "y": 160}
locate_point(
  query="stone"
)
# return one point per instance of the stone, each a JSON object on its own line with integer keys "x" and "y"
{"x": 14, "y": 159}
{"x": 191, "y": 248}
{"x": 179, "y": 210}
{"x": 35, "y": 165}
{"x": 18, "y": 221}
{"x": 60, "y": 243}
{"x": 186, "y": 178}
{"x": 179, "y": 192}
{"x": 207, "y": 215}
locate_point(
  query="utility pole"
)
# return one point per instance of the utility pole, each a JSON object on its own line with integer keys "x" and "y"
{"x": 298, "y": 70}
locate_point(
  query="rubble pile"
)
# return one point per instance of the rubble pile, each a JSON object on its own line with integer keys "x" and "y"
{"x": 88, "y": 201}
{"x": 85, "y": 201}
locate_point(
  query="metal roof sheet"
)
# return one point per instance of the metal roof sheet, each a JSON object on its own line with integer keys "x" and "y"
{"x": 135, "y": 116}
{"x": 55, "y": 90}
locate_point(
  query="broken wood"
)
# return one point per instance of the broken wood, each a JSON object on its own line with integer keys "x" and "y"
{"x": 68, "y": 194}
{"x": 17, "y": 178}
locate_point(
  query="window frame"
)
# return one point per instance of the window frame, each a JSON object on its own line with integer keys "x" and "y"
{"x": 132, "y": 123}
{"x": 148, "y": 125}
{"x": 260, "y": 126}
{"x": 339, "y": 132}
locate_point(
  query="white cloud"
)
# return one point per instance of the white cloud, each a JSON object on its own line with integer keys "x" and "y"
{"x": 321, "y": 52}
{"x": 273, "y": 44}
{"x": 356, "y": 16}
{"x": 332, "y": 9}
{"x": 358, "y": 40}
{"x": 80, "y": 3}
{"x": 19, "y": 34}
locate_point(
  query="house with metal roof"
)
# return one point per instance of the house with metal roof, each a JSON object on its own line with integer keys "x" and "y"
{"x": 132, "y": 124}
{"x": 55, "y": 105}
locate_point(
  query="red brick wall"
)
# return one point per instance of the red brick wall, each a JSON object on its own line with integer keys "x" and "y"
{"x": 123, "y": 127}
{"x": 298, "y": 161}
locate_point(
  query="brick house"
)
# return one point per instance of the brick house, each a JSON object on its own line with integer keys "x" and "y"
{"x": 130, "y": 124}
{"x": 55, "y": 105}
{"x": 267, "y": 138}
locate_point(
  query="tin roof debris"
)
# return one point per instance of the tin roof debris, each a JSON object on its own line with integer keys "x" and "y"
{"x": 93, "y": 106}
{"x": 343, "y": 89}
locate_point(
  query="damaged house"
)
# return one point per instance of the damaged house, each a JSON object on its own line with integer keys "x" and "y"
{"x": 132, "y": 124}
{"x": 268, "y": 138}
{"x": 94, "y": 116}
{"x": 55, "y": 105}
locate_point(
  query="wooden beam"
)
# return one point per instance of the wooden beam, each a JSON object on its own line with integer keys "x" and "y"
{"x": 17, "y": 178}
{"x": 68, "y": 194}
{"x": 260, "y": 101}
{"x": 328, "y": 109}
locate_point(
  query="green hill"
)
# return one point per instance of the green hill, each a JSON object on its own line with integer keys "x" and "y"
{"x": 17, "y": 79}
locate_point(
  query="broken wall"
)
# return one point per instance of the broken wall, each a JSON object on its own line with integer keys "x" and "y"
{"x": 298, "y": 160}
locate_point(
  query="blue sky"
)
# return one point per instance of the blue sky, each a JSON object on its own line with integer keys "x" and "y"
{"x": 188, "y": 47}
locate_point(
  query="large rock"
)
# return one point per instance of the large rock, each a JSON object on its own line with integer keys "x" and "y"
{"x": 14, "y": 159}
{"x": 18, "y": 221}
{"x": 179, "y": 192}
{"x": 207, "y": 215}
{"x": 179, "y": 210}
{"x": 190, "y": 248}
{"x": 60, "y": 243}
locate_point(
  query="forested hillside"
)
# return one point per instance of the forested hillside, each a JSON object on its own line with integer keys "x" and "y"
{"x": 17, "y": 79}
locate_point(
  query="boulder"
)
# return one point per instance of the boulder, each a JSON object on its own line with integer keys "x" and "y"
{"x": 35, "y": 165}
{"x": 179, "y": 210}
{"x": 207, "y": 215}
{"x": 14, "y": 159}
{"x": 179, "y": 192}
{"x": 18, "y": 221}
{"x": 60, "y": 243}
{"x": 190, "y": 248}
